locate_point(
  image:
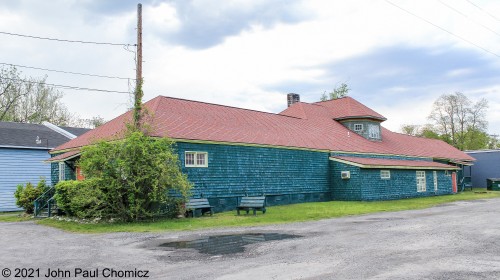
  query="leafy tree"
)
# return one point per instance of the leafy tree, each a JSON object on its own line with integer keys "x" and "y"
{"x": 411, "y": 129}
{"x": 11, "y": 90}
{"x": 476, "y": 140}
{"x": 456, "y": 120}
{"x": 493, "y": 142}
{"x": 30, "y": 100}
{"x": 87, "y": 123}
{"x": 429, "y": 132}
{"x": 338, "y": 92}
{"x": 97, "y": 121}
{"x": 459, "y": 119}
{"x": 426, "y": 131}
{"x": 136, "y": 174}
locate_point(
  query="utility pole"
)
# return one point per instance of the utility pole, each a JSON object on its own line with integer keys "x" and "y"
{"x": 138, "y": 80}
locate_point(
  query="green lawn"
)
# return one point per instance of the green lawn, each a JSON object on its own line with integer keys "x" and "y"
{"x": 13, "y": 217}
{"x": 275, "y": 215}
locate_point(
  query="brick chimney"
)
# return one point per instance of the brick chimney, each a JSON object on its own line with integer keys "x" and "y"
{"x": 292, "y": 98}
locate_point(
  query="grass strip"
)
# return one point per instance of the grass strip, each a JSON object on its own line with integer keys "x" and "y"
{"x": 14, "y": 217}
{"x": 275, "y": 215}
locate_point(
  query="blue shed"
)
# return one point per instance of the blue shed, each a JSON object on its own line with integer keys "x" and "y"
{"x": 487, "y": 165}
{"x": 23, "y": 148}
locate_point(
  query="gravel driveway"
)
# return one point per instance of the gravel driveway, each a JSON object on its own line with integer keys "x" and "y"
{"x": 459, "y": 240}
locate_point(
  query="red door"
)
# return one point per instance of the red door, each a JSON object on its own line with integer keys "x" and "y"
{"x": 79, "y": 174}
{"x": 454, "y": 181}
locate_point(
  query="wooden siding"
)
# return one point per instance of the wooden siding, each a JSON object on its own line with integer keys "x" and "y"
{"x": 288, "y": 176}
{"x": 69, "y": 173}
{"x": 402, "y": 184}
{"x": 366, "y": 184}
{"x": 345, "y": 189}
{"x": 19, "y": 166}
{"x": 283, "y": 175}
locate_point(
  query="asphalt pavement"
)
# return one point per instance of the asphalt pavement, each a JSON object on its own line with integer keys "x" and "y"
{"x": 460, "y": 240}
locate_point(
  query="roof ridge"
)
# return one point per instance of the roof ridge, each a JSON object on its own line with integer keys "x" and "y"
{"x": 227, "y": 106}
{"x": 303, "y": 112}
{"x": 156, "y": 105}
{"x": 300, "y": 109}
{"x": 330, "y": 100}
{"x": 59, "y": 130}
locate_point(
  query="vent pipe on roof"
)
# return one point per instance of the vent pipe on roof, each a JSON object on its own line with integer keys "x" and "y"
{"x": 292, "y": 98}
{"x": 59, "y": 130}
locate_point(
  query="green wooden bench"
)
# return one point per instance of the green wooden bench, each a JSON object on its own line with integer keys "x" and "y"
{"x": 256, "y": 203}
{"x": 198, "y": 205}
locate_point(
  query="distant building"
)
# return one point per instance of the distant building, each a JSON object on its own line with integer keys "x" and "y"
{"x": 487, "y": 165}
{"x": 331, "y": 150}
{"x": 23, "y": 148}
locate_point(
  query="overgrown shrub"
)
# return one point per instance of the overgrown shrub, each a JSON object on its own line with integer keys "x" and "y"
{"x": 26, "y": 195}
{"x": 82, "y": 199}
{"x": 135, "y": 176}
{"x": 64, "y": 194}
{"x": 171, "y": 208}
{"x": 87, "y": 201}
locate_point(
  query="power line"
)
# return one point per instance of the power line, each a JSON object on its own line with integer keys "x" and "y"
{"x": 66, "y": 72}
{"x": 64, "y": 40}
{"x": 447, "y": 31}
{"x": 65, "y": 86}
{"x": 464, "y": 15}
{"x": 486, "y": 12}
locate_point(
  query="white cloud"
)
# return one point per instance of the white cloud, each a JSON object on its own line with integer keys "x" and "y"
{"x": 254, "y": 51}
{"x": 163, "y": 17}
{"x": 459, "y": 72}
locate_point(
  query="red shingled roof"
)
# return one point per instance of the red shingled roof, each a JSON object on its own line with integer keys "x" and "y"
{"x": 64, "y": 156}
{"x": 392, "y": 163}
{"x": 302, "y": 125}
{"x": 348, "y": 107}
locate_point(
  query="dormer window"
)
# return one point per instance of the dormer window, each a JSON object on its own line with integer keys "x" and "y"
{"x": 369, "y": 129}
{"x": 374, "y": 131}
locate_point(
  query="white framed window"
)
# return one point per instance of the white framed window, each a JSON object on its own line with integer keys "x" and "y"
{"x": 62, "y": 174}
{"x": 196, "y": 159}
{"x": 385, "y": 174}
{"x": 421, "y": 181}
{"x": 374, "y": 131}
{"x": 434, "y": 173}
{"x": 358, "y": 127}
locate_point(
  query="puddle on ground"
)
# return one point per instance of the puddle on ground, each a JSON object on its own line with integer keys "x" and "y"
{"x": 477, "y": 201}
{"x": 385, "y": 219}
{"x": 444, "y": 205}
{"x": 226, "y": 244}
{"x": 373, "y": 220}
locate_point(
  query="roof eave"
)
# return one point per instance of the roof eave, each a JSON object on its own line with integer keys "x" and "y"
{"x": 381, "y": 119}
{"x": 25, "y": 147}
{"x": 377, "y": 166}
{"x": 62, "y": 159}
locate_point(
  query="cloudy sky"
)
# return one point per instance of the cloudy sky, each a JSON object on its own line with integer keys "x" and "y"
{"x": 397, "y": 56}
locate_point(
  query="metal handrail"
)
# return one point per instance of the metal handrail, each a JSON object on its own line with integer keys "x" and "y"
{"x": 464, "y": 182}
{"x": 44, "y": 200}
